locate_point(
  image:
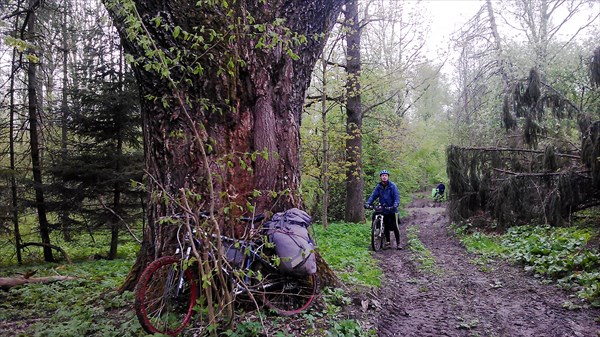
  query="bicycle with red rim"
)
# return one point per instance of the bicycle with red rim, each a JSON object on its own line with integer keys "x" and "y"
{"x": 168, "y": 296}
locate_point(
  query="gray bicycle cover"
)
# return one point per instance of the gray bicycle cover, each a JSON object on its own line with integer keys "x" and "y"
{"x": 289, "y": 232}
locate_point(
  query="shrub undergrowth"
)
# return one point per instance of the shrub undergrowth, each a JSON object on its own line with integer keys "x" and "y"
{"x": 86, "y": 306}
{"x": 557, "y": 253}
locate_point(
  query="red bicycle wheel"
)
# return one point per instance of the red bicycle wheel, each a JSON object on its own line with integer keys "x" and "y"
{"x": 163, "y": 304}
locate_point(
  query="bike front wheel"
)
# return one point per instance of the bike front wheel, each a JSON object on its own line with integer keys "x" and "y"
{"x": 289, "y": 294}
{"x": 165, "y": 296}
{"x": 377, "y": 235}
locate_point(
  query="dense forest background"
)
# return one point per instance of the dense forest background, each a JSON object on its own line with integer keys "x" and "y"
{"x": 72, "y": 153}
{"x": 506, "y": 111}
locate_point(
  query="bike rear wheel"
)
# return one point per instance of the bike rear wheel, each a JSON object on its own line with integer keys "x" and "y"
{"x": 377, "y": 235}
{"x": 289, "y": 294}
{"x": 163, "y": 304}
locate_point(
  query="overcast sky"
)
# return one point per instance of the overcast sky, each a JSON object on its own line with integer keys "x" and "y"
{"x": 447, "y": 16}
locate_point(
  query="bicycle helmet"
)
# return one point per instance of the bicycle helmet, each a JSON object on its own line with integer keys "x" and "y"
{"x": 384, "y": 172}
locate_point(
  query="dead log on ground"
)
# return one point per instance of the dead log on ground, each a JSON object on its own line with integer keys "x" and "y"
{"x": 9, "y": 282}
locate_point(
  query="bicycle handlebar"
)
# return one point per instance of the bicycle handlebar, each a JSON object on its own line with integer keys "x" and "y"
{"x": 378, "y": 208}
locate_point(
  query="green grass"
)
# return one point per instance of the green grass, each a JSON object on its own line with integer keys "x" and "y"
{"x": 82, "y": 246}
{"x": 345, "y": 247}
{"x": 419, "y": 253}
{"x": 86, "y": 306}
{"x": 90, "y": 306}
{"x": 487, "y": 245}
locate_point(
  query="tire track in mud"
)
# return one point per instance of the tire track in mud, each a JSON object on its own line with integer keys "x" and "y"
{"x": 466, "y": 299}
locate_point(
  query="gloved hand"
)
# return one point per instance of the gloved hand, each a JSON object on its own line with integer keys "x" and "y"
{"x": 368, "y": 206}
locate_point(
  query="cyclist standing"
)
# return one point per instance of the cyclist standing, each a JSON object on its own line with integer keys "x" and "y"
{"x": 389, "y": 197}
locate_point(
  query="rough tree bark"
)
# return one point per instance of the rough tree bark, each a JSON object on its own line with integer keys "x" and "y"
{"x": 354, "y": 177}
{"x": 246, "y": 98}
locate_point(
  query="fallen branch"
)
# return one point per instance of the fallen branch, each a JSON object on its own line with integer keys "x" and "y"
{"x": 547, "y": 174}
{"x": 8, "y": 282}
{"x": 504, "y": 149}
{"x": 39, "y": 244}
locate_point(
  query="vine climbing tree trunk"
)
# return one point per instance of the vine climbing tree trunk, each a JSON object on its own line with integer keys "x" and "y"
{"x": 227, "y": 82}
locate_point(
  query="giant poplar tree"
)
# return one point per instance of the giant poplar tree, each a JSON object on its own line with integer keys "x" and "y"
{"x": 222, "y": 86}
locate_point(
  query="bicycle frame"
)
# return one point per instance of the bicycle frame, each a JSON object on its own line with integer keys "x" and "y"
{"x": 166, "y": 294}
{"x": 377, "y": 229}
{"x": 185, "y": 251}
{"x": 377, "y": 233}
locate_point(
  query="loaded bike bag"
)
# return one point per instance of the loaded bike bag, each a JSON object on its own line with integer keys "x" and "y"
{"x": 289, "y": 232}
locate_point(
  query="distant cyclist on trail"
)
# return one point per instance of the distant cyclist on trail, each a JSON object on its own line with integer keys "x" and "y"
{"x": 389, "y": 197}
{"x": 440, "y": 189}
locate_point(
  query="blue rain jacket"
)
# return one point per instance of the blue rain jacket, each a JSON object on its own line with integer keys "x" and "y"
{"x": 387, "y": 195}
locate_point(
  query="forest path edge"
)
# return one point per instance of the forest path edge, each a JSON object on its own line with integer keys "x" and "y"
{"x": 464, "y": 295}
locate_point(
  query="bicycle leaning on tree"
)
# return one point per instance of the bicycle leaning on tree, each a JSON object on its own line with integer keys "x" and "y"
{"x": 169, "y": 291}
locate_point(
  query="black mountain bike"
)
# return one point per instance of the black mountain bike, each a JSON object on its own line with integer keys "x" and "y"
{"x": 377, "y": 228}
{"x": 169, "y": 294}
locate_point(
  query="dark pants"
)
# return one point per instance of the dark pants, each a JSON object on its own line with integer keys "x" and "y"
{"x": 389, "y": 224}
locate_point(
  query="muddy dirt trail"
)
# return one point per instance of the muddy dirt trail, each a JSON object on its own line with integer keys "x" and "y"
{"x": 465, "y": 298}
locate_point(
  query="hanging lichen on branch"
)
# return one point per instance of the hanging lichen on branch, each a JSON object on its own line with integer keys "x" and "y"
{"x": 531, "y": 104}
{"x": 517, "y": 186}
{"x": 522, "y": 185}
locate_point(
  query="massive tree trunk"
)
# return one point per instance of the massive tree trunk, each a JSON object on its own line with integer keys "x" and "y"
{"x": 354, "y": 177}
{"x": 236, "y": 89}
